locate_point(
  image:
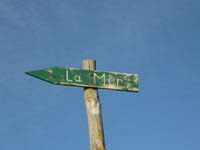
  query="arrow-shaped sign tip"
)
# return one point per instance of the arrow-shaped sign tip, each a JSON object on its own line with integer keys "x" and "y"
{"x": 40, "y": 74}
{"x": 32, "y": 73}
{"x": 27, "y": 73}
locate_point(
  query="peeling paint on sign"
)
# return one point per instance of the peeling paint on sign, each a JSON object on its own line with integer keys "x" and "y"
{"x": 88, "y": 78}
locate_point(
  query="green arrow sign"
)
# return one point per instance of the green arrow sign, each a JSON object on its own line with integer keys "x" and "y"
{"x": 88, "y": 78}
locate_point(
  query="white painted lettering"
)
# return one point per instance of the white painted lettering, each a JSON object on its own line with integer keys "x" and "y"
{"x": 118, "y": 81}
{"x": 77, "y": 78}
{"x": 67, "y": 76}
{"x": 103, "y": 76}
{"x": 111, "y": 81}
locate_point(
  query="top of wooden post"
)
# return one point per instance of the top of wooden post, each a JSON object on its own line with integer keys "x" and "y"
{"x": 89, "y": 64}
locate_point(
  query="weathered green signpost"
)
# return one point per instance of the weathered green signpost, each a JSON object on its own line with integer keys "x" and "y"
{"x": 91, "y": 80}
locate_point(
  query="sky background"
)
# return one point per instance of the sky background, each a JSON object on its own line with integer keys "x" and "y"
{"x": 157, "y": 39}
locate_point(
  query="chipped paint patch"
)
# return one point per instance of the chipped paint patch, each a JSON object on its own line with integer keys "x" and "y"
{"x": 49, "y": 70}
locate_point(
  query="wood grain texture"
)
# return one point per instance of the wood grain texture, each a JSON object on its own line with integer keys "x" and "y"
{"x": 93, "y": 107}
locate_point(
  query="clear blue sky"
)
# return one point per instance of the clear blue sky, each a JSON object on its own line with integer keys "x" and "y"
{"x": 158, "y": 39}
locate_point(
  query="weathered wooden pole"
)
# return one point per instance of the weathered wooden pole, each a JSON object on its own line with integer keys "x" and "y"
{"x": 93, "y": 107}
{"x": 90, "y": 79}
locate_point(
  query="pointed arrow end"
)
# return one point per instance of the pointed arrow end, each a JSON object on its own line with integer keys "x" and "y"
{"x": 26, "y": 73}
{"x": 43, "y": 74}
{"x": 31, "y": 73}
{"x": 40, "y": 74}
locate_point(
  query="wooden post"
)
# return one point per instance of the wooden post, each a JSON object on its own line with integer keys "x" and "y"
{"x": 93, "y": 107}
